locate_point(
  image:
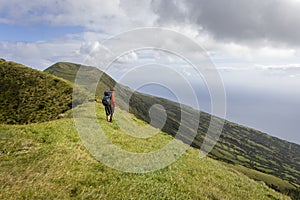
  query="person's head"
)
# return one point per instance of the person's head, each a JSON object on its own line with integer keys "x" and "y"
{"x": 112, "y": 89}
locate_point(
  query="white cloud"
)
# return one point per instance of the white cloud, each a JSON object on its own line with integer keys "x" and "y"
{"x": 128, "y": 57}
{"x": 281, "y": 67}
{"x": 229, "y": 54}
{"x": 105, "y": 16}
{"x": 236, "y": 21}
{"x": 294, "y": 75}
{"x": 271, "y": 52}
{"x": 40, "y": 55}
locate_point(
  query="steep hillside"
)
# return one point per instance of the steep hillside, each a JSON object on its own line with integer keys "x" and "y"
{"x": 48, "y": 161}
{"x": 91, "y": 77}
{"x": 237, "y": 145}
{"x": 29, "y": 96}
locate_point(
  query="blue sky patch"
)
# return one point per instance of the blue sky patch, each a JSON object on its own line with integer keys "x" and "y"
{"x": 39, "y": 32}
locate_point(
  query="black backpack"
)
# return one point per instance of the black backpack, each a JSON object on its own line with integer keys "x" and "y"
{"x": 106, "y": 101}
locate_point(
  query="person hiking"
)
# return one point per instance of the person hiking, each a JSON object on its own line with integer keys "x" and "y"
{"x": 109, "y": 102}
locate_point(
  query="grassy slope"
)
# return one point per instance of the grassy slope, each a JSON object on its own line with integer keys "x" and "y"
{"x": 237, "y": 145}
{"x": 48, "y": 160}
{"x": 270, "y": 180}
{"x": 29, "y": 96}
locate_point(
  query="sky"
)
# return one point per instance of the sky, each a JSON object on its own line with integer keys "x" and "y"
{"x": 254, "y": 45}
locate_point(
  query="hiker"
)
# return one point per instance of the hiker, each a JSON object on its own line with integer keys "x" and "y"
{"x": 109, "y": 102}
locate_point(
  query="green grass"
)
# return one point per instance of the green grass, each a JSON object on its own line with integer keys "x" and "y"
{"x": 48, "y": 161}
{"x": 275, "y": 182}
{"x": 31, "y": 96}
